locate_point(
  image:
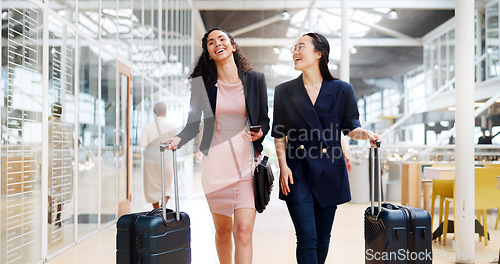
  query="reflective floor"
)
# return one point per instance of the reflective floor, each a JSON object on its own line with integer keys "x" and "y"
{"x": 274, "y": 239}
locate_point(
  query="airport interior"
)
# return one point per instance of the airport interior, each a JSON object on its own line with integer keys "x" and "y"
{"x": 92, "y": 70}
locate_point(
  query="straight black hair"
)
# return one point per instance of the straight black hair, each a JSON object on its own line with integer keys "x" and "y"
{"x": 321, "y": 44}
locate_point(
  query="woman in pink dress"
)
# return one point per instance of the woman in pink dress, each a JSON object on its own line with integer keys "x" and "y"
{"x": 229, "y": 97}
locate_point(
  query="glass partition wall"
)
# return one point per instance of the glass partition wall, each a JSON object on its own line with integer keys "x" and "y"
{"x": 24, "y": 115}
{"x": 70, "y": 125}
{"x": 434, "y": 79}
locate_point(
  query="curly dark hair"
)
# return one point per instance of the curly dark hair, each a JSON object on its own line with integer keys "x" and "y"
{"x": 205, "y": 67}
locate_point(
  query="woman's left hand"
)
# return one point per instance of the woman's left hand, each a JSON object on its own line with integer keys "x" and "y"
{"x": 252, "y": 136}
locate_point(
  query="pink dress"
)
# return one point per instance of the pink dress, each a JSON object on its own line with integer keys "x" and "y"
{"x": 227, "y": 170}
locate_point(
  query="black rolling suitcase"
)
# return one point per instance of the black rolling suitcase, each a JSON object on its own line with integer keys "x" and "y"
{"x": 159, "y": 236}
{"x": 393, "y": 233}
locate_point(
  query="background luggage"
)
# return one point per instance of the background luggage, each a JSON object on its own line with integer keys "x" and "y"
{"x": 393, "y": 233}
{"x": 159, "y": 236}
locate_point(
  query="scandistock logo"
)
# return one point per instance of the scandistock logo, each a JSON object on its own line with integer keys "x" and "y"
{"x": 436, "y": 254}
{"x": 401, "y": 254}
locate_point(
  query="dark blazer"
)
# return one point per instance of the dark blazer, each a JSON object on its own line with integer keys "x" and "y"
{"x": 313, "y": 150}
{"x": 255, "y": 89}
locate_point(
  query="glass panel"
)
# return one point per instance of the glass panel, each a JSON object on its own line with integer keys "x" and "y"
{"x": 415, "y": 90}
{"x": 61, "y": 145}
{"x": 65, "y": 8}
{"x": 435, "y": 66}
{"x": 492, "y": 42}
{"x": 428, "y": 67}
{"x": 88, "y": 18}
{"x": 137, "y": 114}
{"x": 442, "y": 72}
{"x": 493, "y": 61}
{"x": 129, "y": 28}
{"x": 109, "y": 27}
{"x": 451, "y": 53}
{"x": 90, "y": 112}
{"x": 373, "y": 105}
{"x": 21, "y": 145}
{"x": 108, "y": 191}
{"x": 121, "y": 141}
{"x": 148, "y": 102}
{"x": 137, "y": 124}
{"x": 175, "y": 57}
{"x": 144, "y": 117}
{"x": 155, "y": 95}
{"x": 150, "y": 50}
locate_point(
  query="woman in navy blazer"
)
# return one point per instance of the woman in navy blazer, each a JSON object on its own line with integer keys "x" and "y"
{"x": 225, "y": 97}
{"x": 310, "y": 112}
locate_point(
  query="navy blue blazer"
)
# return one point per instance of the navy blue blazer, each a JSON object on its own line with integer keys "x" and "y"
{"x": 255, "y": 90}
{"x": 313, "y": 151}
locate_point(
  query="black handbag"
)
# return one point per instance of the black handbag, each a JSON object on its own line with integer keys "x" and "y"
{"x": 263, "y": 175}
{"x": 263, "y": 179}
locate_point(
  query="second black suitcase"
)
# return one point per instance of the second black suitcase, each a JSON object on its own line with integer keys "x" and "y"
{"x": 395, "y": 234}
{"x": 159, "y": 236}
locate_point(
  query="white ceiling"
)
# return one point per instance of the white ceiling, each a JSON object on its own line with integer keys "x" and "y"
{"x": 385, "y": 48}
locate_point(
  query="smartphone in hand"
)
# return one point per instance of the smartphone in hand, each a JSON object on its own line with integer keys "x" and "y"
{"x": 255, "y": 128}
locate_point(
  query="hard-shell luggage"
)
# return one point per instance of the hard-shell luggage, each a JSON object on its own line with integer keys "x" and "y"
{"x": 159, "y": 236}
{"x": 393, "y": 233}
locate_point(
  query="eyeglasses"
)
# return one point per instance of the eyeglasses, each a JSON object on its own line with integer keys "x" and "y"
{"x": 298, "y": 47}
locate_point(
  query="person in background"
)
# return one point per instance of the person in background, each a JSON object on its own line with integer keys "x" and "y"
{"x": 232, "y": 98}
{"x": 310, "y": 113}
{"x": 484, "y": 139}
{"x": 151, "y": 135}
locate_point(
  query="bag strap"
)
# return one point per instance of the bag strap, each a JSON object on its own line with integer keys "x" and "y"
{"x": 230, "y": 146}
{"x": 158, "y": 127}
{"x": 234, "y": 157}
{"x": 245, "y": 91}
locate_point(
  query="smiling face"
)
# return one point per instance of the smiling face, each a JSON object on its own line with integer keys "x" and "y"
{"x": 304, "y": 54}
{"x": 219, "y": 46}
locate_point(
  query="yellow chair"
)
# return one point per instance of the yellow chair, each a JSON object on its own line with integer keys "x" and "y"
{"x": 498, "y": 216}
{"x": 491, "y": 165}
{"x": 443, "y": 189}
{"x": 486, "y": 197}
{"x": 494, "y": 165}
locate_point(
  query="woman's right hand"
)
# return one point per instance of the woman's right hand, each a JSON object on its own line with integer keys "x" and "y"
{"x": 173, "y": 142}
{"x": 198, "y": 155}
{"x": 285, "y": 177}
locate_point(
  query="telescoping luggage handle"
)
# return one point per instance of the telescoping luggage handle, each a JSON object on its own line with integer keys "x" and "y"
{"x": 375, "y": 168}
{"x": 163, "y": 146}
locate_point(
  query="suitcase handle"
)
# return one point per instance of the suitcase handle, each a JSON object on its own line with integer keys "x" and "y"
{"x": 163, "y": 146}
{"x": 375, "y": 168}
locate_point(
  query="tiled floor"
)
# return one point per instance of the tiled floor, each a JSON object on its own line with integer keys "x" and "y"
{"x": 274, "y": 239}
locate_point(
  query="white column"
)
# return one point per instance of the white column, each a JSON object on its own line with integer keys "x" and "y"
{"x": 76, "y": 146}
{"x": 160, "y": 48}
{"x": 478, "y": 40}
{"x": 44, "y": 182}
{"x": 464, "y": 118}
{"x": 100, "y": 121}
{"x": 344, "y": 61}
